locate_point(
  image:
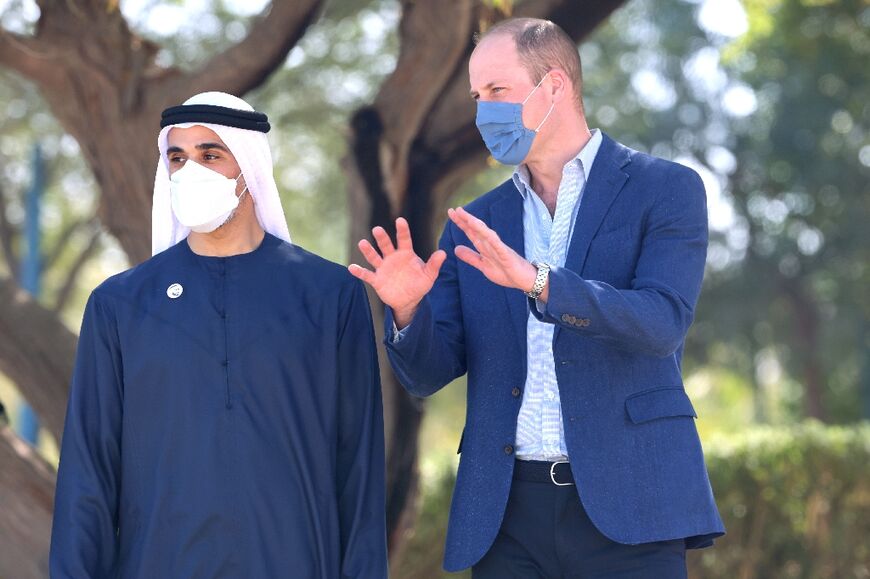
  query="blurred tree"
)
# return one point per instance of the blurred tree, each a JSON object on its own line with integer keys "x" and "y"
{"x": 106, "y": 82}
{"x": 801, "y": 188}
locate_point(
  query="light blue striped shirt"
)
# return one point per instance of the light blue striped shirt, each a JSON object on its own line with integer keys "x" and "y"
{"x": 540, "y": 431}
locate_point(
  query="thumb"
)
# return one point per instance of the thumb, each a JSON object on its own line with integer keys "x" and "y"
{"x": 436, "y": 260}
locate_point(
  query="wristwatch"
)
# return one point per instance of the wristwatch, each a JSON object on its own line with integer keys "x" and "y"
{"x": 540, "y": 280}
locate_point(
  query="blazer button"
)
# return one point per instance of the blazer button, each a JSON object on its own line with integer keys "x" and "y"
{"x": 515, "y": 392}
{"x": 509, "y": 449}
{"x": 566, "y": 318}
{"x": 585, "y": 322}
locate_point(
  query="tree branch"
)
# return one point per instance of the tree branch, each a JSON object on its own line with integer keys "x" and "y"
{"x": 51, "y": 257}
{"x": 428, "y": 56}
{"x": 246, "y": 65}
{"x": 73, "y": 275}
{"x": 40, "y": 367}
{"x": 8, "y": 233}
{"x": 27, "y": 56}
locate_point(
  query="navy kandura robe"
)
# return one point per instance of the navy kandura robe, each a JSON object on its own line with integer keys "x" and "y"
{"x": 234, "y": 430}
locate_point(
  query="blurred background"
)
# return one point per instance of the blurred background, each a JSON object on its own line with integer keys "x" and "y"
{"x": 767, "y": 99}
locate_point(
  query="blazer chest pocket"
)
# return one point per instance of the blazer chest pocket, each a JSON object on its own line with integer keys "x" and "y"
{"x": 658, "y": 403}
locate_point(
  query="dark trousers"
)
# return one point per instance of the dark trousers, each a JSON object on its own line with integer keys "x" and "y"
{"x": 546, "y": 534}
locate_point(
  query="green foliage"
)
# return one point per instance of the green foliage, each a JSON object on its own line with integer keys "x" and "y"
{"x": 796, "y": 504}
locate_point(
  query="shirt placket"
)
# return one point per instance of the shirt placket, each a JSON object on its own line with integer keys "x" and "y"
{"x": 552, "y": 433}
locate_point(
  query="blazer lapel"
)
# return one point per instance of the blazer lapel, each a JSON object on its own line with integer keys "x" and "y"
{"x": 507, "y": 221}
{"x": 603, "y": 185}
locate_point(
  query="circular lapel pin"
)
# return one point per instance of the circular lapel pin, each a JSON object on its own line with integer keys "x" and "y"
{"x": 174, "y": 291}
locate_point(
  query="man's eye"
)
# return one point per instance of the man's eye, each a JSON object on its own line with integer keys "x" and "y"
{"x": 210, "y": 157}
{"x": 498, "y": 89}
{"x": 176, "y": 159}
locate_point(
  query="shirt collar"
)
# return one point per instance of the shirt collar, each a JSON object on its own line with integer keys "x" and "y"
{"x": 585, "y": 157}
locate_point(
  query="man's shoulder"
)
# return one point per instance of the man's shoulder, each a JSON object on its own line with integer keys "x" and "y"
{"x": 308, "y": 264}
{"x": 646, "y": 165}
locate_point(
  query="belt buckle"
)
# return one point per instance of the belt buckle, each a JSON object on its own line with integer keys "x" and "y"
{"x": 553, "y": 474}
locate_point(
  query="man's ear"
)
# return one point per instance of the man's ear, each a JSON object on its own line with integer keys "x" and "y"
{"x": 559, "y": 84}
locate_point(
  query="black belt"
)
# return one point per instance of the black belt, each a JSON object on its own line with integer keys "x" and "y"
{"x": 557, "y": 473}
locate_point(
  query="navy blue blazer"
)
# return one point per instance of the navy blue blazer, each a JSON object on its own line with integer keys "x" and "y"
{"x": 622, "y": 306}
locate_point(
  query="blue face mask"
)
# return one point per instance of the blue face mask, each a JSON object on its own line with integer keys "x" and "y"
{"x": 501, "y": 126}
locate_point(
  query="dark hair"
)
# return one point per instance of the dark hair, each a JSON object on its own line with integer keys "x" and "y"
{"x": 542, "y": 46}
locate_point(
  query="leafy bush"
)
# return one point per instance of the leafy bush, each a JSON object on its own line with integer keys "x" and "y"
{"x": 796, "y": 503}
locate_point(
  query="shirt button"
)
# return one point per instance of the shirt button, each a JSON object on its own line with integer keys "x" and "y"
{"x": 509, "y": 449}
{"x": 551, "y": 395}
{"x": 515, "y": 392}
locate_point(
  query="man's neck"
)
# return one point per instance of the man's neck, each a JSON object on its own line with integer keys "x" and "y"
{"x": 545, "y": 170}
{"x": 242, "y": 234}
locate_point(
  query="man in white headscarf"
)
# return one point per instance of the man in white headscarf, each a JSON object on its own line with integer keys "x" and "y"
{"x": 225, "y": 413}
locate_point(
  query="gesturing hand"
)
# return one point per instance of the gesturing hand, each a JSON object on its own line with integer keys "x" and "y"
{"x": 400, "y": 278}
{"x": 494, "y": 258}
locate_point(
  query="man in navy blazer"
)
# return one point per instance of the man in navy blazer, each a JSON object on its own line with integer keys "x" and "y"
{"x": 565, "y": 294}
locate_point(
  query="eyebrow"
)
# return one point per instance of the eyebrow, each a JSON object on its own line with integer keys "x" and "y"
{"x": 201, "y": 147}
{"x": 488, "y": 85}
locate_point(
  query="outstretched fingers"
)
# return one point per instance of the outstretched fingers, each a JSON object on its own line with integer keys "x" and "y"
{"x": 383, "y": 241}
{"x": 362, "y": 273}
{"x": 403, "y": 235}
{"x": 475, "y": 229}
{"x": 469, "y": 256}
{"x": 436, "y": 260}
{"x": 370, "y": 253}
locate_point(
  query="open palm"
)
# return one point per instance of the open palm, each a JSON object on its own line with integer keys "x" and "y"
{"x": 400, "y": 277}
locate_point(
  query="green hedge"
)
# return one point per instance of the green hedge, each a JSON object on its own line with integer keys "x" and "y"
{"x": 796, "y": 503}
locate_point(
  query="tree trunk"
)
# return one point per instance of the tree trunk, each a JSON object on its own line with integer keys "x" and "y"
{"x": 27, "y": 498}
{"x": 36, "y": 352}
{"x": 807, "y": 344}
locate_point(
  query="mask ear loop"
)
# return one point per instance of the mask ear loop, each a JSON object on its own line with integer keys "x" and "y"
{"x": 547, "y": 116}
{"x": 536, "y": 87}
{"x": 245, "y": 190}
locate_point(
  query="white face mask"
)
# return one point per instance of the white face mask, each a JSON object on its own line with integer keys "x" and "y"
{"x": 202, "y": 199}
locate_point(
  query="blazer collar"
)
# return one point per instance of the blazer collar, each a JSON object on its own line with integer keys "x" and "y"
{"x": 603, "y": 185}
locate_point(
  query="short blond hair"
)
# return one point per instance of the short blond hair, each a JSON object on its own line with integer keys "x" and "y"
{"x": 542, "y": 46}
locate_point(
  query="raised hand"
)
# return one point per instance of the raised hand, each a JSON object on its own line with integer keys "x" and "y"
{"x": 400, "y": 278}
{"x": 494, "y": 258}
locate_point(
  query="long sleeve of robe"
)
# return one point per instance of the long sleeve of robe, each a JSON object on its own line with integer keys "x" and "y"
{"x": 224, "y": 420}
